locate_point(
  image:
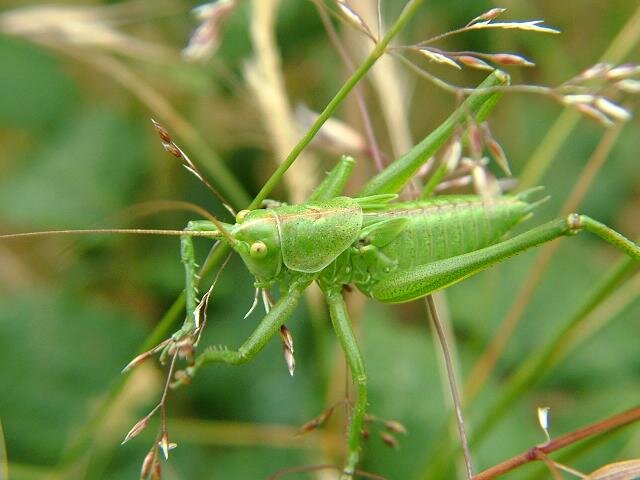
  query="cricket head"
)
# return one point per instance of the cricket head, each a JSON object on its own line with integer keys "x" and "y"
{"x": 255, "y": 237}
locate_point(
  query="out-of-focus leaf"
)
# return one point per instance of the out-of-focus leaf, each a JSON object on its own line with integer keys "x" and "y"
{"x": 58, "y": 353}
{"x": 4, "y": 463}
{"x": 35, "y": 90}
{"x": 628, "y": 470}
{"x": 88, "y": 170}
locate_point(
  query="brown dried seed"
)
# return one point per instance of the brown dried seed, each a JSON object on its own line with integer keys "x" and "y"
{"x": 474, "y": 62}
{"x": 325, "y": 415}
{"x": 498, "y": 154}
{"x": 452, "y": 155}
{"x": 285, "y": 334}
{"x": 437, "y": 57}
{"x": 595, "y": 114}
{"x": 316, "y": 422}
{"x": 389, "y": 439}
{"x": 623, "y": 71}
{"x": 308, "y": 426}
{"x": 628, "y": 85}
{"x": 164, "y": 444}
{"x": 530, "y": 25}
{"x": 597, "y": 70}
{"x": 137, "y": 361}
{"x": 147, "y": 463}
{"x": 162, "y": 132}
{"x": 172, "y": 149}
{"x": 157, "y": 471}
{"x": 625, "y": 470}
{"x": 289, "y": 359}
{"x": 206, "y": 38}
{"x": 182, "y": 377}
{"x": 352, "y": 17}
{"x": 488, "y": 15}
{"x": 475, "y": 141}
{"x": 573, "y": 99}
{"x": 510, "y": 59}
{"x": 395, "y": 426}
{"x": 136, "y": 429}
{"x": 612, "y": 109}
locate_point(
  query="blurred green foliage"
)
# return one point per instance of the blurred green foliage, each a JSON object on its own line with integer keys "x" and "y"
{"x": 77, "y": 148}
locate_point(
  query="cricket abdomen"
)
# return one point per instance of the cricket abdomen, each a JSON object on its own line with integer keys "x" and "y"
{"x": 434, "y": 229}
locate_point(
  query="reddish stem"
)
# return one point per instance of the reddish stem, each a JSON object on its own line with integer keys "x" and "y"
{"x": 539, "y": 451}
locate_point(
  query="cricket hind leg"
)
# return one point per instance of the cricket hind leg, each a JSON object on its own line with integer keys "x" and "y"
{"x": 582, "y": 222}
{"x": 409, "y": 284}
{"x": 335, "y": 181}
{"x": 342, "y": 326}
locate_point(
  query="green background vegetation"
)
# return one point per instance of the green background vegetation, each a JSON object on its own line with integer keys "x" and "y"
{"x": 77, "y": 149}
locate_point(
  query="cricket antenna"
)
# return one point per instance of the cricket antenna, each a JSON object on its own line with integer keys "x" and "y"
{"x": 118, "y": 231}
{"x": 171, "y": 147}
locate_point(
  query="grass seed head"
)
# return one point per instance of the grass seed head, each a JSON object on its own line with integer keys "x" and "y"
{"x": 205, "y": 39}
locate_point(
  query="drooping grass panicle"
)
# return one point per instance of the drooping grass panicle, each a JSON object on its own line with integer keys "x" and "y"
{"x": 206, "y": 38}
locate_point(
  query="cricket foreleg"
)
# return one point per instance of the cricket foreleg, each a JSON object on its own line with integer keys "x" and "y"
{"x": 412, "y": 283}
{"x": 187, "y": 255}
{"x": 344, "y": 332}
{"x": 267, "y": 328}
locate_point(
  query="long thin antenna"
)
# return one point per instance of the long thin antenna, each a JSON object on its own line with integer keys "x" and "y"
{"x": 134, "y": 231}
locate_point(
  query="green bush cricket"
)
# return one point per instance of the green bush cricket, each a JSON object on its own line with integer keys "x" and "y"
{"x": 392, "y": 251}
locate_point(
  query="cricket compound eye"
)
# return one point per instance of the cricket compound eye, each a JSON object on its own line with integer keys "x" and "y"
{"x": 258, "y": 250}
